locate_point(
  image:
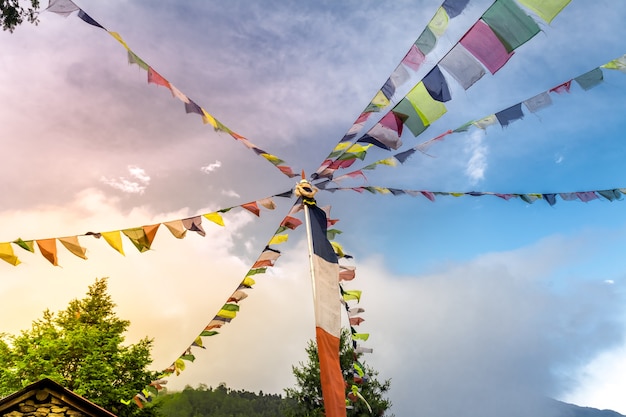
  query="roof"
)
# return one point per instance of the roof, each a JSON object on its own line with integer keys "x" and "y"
{"x": 52, "y": 396}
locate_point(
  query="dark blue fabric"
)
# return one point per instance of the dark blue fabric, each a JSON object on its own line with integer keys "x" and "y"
{"x": 550, "y": 198}
{"x": 403, "y": 156}
{"x": 454, "y": 7}
{"x": 508, "y": 116}
{"x": 192, "y": 107}
{"x": 436, "y": 85}
{"x": 373, "y": 141}
{"x": 388, "y": 89}
{"x": 321, "y": 245}
{"x": 88, "y": 19}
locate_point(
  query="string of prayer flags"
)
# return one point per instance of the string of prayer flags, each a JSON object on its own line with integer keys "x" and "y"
{"x": 224, "y": 315}
{"x": 610, "y": 195}
{"x": 504, "y": 117}
{"x": 66, "y": 7}
{"x": 412, "y": 60}
{"x": 489, "y": 43}
{"x": 141, "y": 237}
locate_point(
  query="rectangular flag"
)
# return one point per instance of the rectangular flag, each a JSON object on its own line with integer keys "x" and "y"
{"x": 327, "y": 315}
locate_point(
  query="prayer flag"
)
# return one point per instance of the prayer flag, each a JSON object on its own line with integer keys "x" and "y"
{"x": 7, "y": 254}
{"x": 462, "y": 66}
{"x": 327, "y": 315}
{"x": 508, "y": 116}
{"x": 439, "y": 23}
{"x": 454, "y": 7}
{"x": 436, "y": 85}
{"x": 590, "y": 79}
{"x": 156, "y": 78}
{"x": 88, "y": 19}
{"x": 428, "y": 109}
{"x": 71, "y": 244}
{"x": 215, "y": 218}
{"x": 545, "y": 9}
{"x": 114, "y": 239}
{"x": 252, "y": 208}
{"x": 139, "y": 238}
{"x": 538, "y": 102}
{"x": 386, "y": 133}
{"x": 62, "y": 7}
{"x": 28, "y": 245}
{"x": 426, "y": 41}
{"x": 563, "y": 88}
{"x": 278, "y": 239}
{"x": 512, "y": 25}
{"x": 414, "y": 58}
{"x": 617, "y": 64}
{"x": 405, "y": 110}
{"x": 483, "y": 43}
{"x": 194, "y": 224}
{"x": 176, "y": 228}
{"x": 48, "y": 248}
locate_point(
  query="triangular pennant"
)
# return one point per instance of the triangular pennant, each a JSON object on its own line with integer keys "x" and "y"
{"x": 7, "y": 254}
{"x": 291, "y": 222}
{"x": 28, "y": 245}
{"x": 252, "y": 208}
{"x": 176, "y": 228}
{"x": 114, "y": 239}
{"x": 72, "y": 244}
{"x": 215, "y": 218}
{"x": 278, "y": 239}
{"x": 48, "y": 248}
{"x": 62, "y": 7}
{"x": 194, "y": 224}
{"x": 156, "y": 78}
{"x": 268, "y": 203}
{"x": 138, "y": 236}
{"x": 88, "y": 19}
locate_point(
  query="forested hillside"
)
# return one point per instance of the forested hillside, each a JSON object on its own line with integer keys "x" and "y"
{"x": 221, "y": 401}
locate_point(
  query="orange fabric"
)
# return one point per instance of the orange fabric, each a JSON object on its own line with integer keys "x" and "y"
{"x": 333, "y": 386}
{"x": 48, "y": 248}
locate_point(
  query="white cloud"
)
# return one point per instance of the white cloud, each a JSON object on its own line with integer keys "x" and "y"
{"x": 477, "y": 163}
{"x": 136, "y": 185}
{"x": 207, "y": 169}
{"x": 230, "y": 193}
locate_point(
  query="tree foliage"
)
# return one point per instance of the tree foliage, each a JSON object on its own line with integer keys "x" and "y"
{"x": 219, "y": 402}
{"x": 306, "y": 396}
{"x": 13, "y": 13}
{"x": 81, "y": 348}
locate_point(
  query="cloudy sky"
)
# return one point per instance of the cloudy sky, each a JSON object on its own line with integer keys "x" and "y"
{"x": 474, "y": 304}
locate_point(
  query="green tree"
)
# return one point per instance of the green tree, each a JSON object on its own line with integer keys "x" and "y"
{"x": 81, "y": 348}
{"x": 305, "y": 399}
{"x": 13, "y": 13}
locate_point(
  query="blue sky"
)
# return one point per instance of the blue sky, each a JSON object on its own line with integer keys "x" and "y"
{"x": 473, "y": 303}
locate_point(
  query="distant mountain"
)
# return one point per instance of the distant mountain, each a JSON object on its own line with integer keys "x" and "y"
{"x": 562, "y": 409}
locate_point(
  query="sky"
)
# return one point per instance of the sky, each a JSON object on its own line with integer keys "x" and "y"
{"x": 473, "y": 304}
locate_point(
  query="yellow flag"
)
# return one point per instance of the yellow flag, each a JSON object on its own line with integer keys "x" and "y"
{"x": 215, "y": 218}
{"x": 7, "y": 254}
{"x": 248, "y": 282}
{"x": 119, "y": 39}
{"x": 439, "y": 22}
{"x": 382, "y": 190}
{"x": 338, "y": 249}
{"x": 392, "y": 162}
{"x": 546, "y": 9}
{"x": 114, "y": 239}
{"x": 428, "y": 108}
{"x": 380, "y": 100}
{"x": 71, "y": 244}
{"x": 208, "y": 119}
{"x": 278, "y": 239}
{"x": 356, "y": 148}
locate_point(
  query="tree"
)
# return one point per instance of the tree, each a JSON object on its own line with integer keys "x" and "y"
{"x": 12, "y": 13}
{"x": 305, "y": 399}
{"x": 82, "y": 349}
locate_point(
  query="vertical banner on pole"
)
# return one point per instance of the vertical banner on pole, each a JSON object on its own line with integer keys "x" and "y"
{"x": 325, "y": 274}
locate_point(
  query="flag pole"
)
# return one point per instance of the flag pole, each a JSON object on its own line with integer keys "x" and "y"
{"x": 305, "y": 190}
{"x": 307, "y": 221}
